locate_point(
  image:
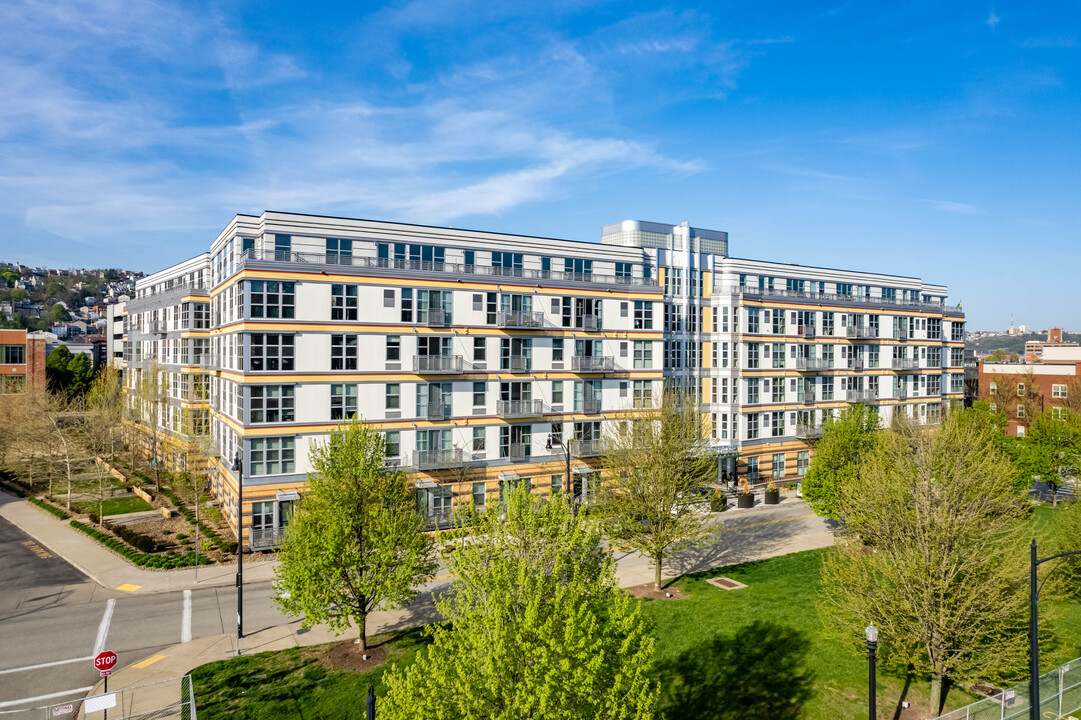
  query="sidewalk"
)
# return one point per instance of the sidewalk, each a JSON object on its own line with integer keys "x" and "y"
{"x": 108, "y": 569}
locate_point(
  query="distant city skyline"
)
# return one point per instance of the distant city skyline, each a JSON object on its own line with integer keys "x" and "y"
{"x": 935, "y": 141}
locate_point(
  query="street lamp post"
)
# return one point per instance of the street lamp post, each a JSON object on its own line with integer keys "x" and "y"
{"x": 1034, "y": 637}
{"x": 238, "y": 468}
{"x": 871, "y": 632}
{"x": 566, "y": 451}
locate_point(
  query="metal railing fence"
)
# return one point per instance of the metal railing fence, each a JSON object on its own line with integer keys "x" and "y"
{"x": 172, "y": 699}
{"x": 1060, "y": 696}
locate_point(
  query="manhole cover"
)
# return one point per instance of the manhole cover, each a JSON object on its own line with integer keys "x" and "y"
{"x": 726, "y": 583}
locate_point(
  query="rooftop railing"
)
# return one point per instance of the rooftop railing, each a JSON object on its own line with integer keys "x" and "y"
{"x": 748, "y": 291}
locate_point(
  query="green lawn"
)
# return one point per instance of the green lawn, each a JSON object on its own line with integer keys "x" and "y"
{"x": 754, "y": 654}
{"x": 116, "y": 506}
{"x": 291, "y": 684}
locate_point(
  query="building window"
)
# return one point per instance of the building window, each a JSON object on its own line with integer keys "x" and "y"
{"x": 1020, "y": 411}
{"x": 407, "y": 304}
{"x": 343, "y": 402}
{"x": 778, "y": 466}
{"x": 271, "y": 299}
{"x": 343, "y": 302}
{"x": 752, "y": 426}
{"x": 271, "y": 456}
{"x": 643, "y": 354}
{"x": 993, "y": 388}
{"x": 478, "y": 394}
{"x": 1058, "y": 391}
{"x": 394, "y": 348}
{"x": 753, "y": 320}
{"x": 1058, "y": 413}
{"x": 339, "y": 252}
{"x": 557, "y": 350}
{"x": 480, "y": 353}
{"x": 388, "y": 298}
{"x": 271, "y": 351}
{"x": 394, "y": 396}
{"x": 393, "y": 444}
{"x": 624, "y": 309}
{"x": 270, "y": 404}
{"x": 752, "y": 355}
{"x": 803, "y": 462}
{"x": 752, "y": 469}
{"x": 14, "y": 355}
{"x": 643, "y": 315}
{"x": 557, "y": 392}
{"x": 479, "y": 444}
{"x": 1020, "y": 389}
{"x": 776, "y": 424}
{"x": 479, "y": 494}
{"x": 343, "y": 352}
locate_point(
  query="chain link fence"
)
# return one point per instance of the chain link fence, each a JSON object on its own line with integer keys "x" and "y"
{"x": 166, "y": 700}
{"x": 1060, "y": 697}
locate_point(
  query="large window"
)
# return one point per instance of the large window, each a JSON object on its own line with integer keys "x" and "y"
{"x": 14, "y": 355}
{"x": 343, "y": 402}
{"x": 270, "y": 404}
{"x": 339, "y": 252}
{"x": 394, "y": 396}
{"x": 343, "y": 302}
{"x": 343, "y": 352}
{"x": 394, "y": 348}
{"x": 643, "y": 354}
{"x": 803, "y": 462}
{"x": 643, "y": 314}
{"x": 271, "y": 351}
{"x": 271, "y": 456}
{"x": 272, "y": 299}
{"x": 778, "y": 466}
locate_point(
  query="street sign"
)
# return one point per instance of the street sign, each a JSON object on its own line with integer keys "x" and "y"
{"x": 105, "y": 673}
{"x": 59, "y": 710}
{"x": 104, "y": 662}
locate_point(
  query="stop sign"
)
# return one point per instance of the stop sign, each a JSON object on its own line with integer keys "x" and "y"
{"x": 104, "y": 662}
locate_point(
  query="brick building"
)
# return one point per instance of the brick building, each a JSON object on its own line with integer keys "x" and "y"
{"x": 22, "y": 361}
{"x": 1022, "y": 390}
{"x": 1034, "y": 348}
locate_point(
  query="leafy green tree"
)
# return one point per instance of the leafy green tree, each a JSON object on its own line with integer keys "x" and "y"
{"x": 81, "y": 374}
{"x": 19, "y": 295}
{"x": 57, "y": 313}
{"x": 58, "y": 370}
{"x": 537, "y": 627}
{"x": 1068, "y": 538}
{"x": 933, "y": 553}
{"x": 1050, "y": 448}
{"x": 836, "y": 458}
{"x": 653, "y": 466}
{"x": 356, "y": 541}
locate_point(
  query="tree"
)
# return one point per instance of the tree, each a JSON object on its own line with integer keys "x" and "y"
{"x": 933, "y": 553}
{"x": 536, "y": 627}
{"x": 57, "y": 313}
{"x": 105, "y": 409}
{"x": 19, "y": 295}
{"x": 1068, "y": 538}
{"x": 58, "y": 370}
{"x": 151, "y": 394}
{"x": 81, "y": 374}
{"x": 652, "y": 468}
{"x": 355, "y": 542}
{"x": 1050, "y": 448}
{"x": 837, "y": 456}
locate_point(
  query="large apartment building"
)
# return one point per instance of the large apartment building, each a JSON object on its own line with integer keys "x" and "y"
{"x": 478, "y": 353}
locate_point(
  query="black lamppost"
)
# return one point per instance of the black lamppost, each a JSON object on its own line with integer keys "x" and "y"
{"x": 238, "y": 468}
{"x": 872, "y": 644}
{"x": 566, "y": 451}
{"x": 1034, "y": 636}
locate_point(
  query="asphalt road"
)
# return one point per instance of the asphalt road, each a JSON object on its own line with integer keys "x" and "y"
{"x": 53, "y": 620}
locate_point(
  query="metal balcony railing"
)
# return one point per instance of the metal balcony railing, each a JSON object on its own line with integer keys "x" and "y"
{"x": 807, "y": 331}
{"x": 901, "y": 336}
{"x": 859, "y": 396}
{"x": 437, "y": 411}
{"x": 519, "y": 408}
{"x": 514, "y": 451}
{"x": 520, "y": 319}
{"x": 340, "y": 260}
{"x": 517, "y": 363}
{"x": 855, "y": 364}
{"x": 751, "y": 292}
{"x": 591, "y": 405}
{"x": 861, "y": 332}
{"x": 906, "y": 364}
{"x": 437, "y": 363}
{"x": 811, "y": 364}
{"x": 442, "y": 457}
{"x": 806, "y": 398}
{"x": 808, "y": 432}
{"x": 591, "y": 447}
{"x": 591, "y": 322}
{"x": 265, "y": 538}
{"x": 901, "y": 394}
{"x": 438, "y": 318}
{"x": 593, "y": 363}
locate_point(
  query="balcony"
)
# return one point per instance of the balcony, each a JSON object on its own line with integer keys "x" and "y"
{"x": 389, "y": 265}
{"x": 906, "y": 364}
{"x": 591, "y": 447}
{"x": 590, "y": 322}
{"x": 437, "y": 411}
{"x": 814, "y": 364}
{"x": 806, "y": 398}
{"x": 754, "y": 293}
{"x": 520, "y": 319}
{"x": 855, "y": 364}
{"x": 514, "y": 451}
{"x": 519, "y": 408}
{"x": 265, "y": 538}
{"x": 431, "y": 459}
{"x": 591, "y": 405}
{"x": 593, "y": 363}
{"x": 901, "y": 335}
{"x": 860, "y": 396}
{"x": 437, "y": 364}
{"x": 809, "y": 432}
{"x": 861, "y": 332}
{"x": 901, "y": 394}
{"x": 517, "y": 363}
{"x": 438, "y": 318}
{"x": 156, "y": 327}
{"x": 807, "y": 332}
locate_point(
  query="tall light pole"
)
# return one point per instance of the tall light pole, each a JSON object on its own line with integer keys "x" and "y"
{"x": 566, "y": 451}
{"x": 1034, "y": 636}
{"x": 238, "y": 468}
{"x": 871, "y": 632}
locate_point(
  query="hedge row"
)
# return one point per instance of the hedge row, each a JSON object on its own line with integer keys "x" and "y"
{"x": 167, "y": 561}
{"x": 13, "y": 489}
{"x": 59, "y": 512}
{"x": 227, "y": 547}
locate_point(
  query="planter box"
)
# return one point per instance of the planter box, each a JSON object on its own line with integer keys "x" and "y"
{"x": 773, "y": 497}
{"x": 745, "y": 501}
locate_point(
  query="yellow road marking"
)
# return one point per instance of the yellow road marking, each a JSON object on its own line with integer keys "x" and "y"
{"x": 149, "y": 661}
{"x": 127, "y": 587}
{"x": 37, "y": 549}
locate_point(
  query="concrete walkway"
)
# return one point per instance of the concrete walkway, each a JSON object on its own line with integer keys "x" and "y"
{"x": 110, "y": 570}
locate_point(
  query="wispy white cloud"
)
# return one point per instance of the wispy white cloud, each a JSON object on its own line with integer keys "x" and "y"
{"x": 950, "y": 206}
{"x": 992, "y": 20}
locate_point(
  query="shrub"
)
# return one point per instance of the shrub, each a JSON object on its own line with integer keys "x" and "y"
{"x": 58, "y": 512}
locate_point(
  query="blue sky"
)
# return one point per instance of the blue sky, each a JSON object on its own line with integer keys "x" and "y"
{"x": 936, "y": 139}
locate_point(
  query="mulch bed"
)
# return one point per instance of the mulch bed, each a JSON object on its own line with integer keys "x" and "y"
{"x": 346, "y": 655}
{"x": 648, "y": 592}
